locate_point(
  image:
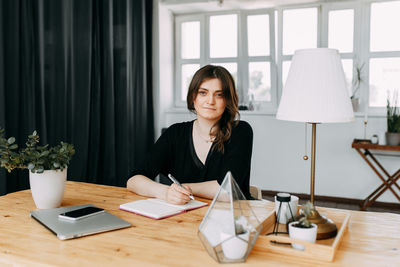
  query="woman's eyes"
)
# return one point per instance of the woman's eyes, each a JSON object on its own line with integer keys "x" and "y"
{"x": 204, "y": 93}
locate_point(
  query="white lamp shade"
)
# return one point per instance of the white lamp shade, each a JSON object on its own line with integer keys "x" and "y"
{"x": 315, "y": 90}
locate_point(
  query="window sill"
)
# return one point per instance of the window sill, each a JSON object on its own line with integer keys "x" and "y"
{"x": 182, "y": 110}
{"x": 358, "y": 114}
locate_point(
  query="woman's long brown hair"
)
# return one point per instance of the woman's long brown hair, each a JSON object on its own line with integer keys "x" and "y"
{"x": 230, "y": 116}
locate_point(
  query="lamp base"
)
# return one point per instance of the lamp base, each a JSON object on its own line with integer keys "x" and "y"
{"x": 326, "y": 228}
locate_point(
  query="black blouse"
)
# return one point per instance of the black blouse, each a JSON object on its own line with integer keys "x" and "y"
{"x": 174, "y": 153}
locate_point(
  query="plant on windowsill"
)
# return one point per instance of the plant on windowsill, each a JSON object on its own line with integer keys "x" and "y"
{"x": 393, "y": 120}
{"x": 47, "y": 167}
{"x": 356, "y": 84}
{"x": 303, "y": 229}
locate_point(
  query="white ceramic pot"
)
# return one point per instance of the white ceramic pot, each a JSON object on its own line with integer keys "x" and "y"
{"x": 355, "y": 102}
{"x": 392, "y": 139}
{"x": 236, "y": 247}
{"x": 305, "y": 234}
{"x": 48, "y": 188}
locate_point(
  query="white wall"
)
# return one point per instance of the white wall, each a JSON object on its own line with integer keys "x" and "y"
{"x": 278, "y": 147}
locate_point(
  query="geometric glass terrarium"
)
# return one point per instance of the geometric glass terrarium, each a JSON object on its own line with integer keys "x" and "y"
{"x": 230, "y": 228}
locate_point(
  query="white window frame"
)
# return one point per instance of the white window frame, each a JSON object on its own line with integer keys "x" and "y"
{"x": 361, "y": 48}
{"x": 281, "y": 58}
{"x": 358, "y": 53}
{"x": 368, "y": 55}
{"x": 246, "y": 59}
{"x": 180, "y": 61}
{"x": 242, "y": 60}
{"x": 237, "y": 59}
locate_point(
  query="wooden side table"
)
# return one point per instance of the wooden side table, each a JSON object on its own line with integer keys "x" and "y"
{"x": 364, "y": 149}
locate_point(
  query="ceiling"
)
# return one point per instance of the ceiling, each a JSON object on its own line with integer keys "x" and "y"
{"x": 194, "y": 6}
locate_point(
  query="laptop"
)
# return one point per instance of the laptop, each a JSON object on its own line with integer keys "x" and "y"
{"x": 65, "y": 229}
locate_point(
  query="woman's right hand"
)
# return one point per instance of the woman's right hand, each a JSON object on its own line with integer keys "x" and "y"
{"x": 178, "y": 195}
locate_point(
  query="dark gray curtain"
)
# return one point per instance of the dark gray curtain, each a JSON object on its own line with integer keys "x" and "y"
{"x": 78, "y": 71}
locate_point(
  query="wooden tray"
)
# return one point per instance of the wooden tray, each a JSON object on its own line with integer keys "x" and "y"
{"x": 323, "y": 249}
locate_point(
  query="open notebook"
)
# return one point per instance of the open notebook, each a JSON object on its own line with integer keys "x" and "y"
{"x": 159, "y": 209}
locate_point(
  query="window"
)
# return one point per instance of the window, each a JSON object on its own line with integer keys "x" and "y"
{"x": 218, "y": 39}
{"x": 257, "y": 47}
{"x": 300, "y": 28}
{"x": 384, "y": 78}
{"x": 299, "y": 31}
{"x": 189, "y": 51}
{"x": 260, "y": 81}
{"x": 223, "y": 36}
{"x": 384, "y": 54}
{"x": 258, "y": 58}
{"x": 341, "y": 30}
{"x": 340, "y": 36}
{"x": 187, "y": 71}
{"x": 190, "y": 39}
{"x": 258, "y": 35}
{"x": 385, "y": 21}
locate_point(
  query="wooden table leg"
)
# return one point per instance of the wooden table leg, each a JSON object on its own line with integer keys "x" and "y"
{"x": 386, "y": 184}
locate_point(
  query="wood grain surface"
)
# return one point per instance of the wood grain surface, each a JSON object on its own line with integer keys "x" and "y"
{"x": 372, "y": 239}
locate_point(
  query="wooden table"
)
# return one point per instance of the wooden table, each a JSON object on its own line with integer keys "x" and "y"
{"x": 372, "y": 239}
{"x": 390, "y": 182}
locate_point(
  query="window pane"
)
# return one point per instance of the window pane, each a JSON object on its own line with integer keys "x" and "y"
{"x": 258, "y": 35}
{"x": 223, "y": 36}
{"x": 348, "y": 74}
{"x": 188, "y": 71}
{"x": 385, "y": 21}
{"x": 231, "y": 67}
{"x": 341, "y": 30}
{"x": 260, "y": 81}
{"x": 285, "y": 71}
{"x": 299, "y": 29}
{"x": 190, "y": 43}
{"x": 384, "y": 76}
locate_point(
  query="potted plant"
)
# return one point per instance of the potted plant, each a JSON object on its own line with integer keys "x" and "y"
{"x": 47, "y": 167}
{"x": 393, "y": 121}
{"x": 356, "y": 84}
{"x": 303, "y": 229}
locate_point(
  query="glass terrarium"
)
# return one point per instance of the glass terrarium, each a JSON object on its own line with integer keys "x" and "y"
{"x": 230, "y": 227}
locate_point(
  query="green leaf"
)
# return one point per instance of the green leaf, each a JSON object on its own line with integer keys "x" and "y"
{"x": 14, "y": 146}
{"x": 34, "y": 157}
{"x": 31, "y": 166}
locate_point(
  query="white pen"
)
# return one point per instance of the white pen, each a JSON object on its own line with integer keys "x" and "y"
{"x": 172, "y": 178}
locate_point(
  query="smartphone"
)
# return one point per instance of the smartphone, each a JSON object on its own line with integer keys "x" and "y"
{"x": 80, "y": 213}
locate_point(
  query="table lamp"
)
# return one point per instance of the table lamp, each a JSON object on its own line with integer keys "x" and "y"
{"x": 315, "y": 92}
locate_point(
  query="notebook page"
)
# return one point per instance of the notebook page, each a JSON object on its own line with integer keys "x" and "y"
{"x": 192, "y": 204}
{"x": 150, "y": 208}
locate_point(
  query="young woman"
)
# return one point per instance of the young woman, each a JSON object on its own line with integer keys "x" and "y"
{"x": 199, "y": 153}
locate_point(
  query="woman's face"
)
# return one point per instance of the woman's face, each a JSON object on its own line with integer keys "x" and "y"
{"x": 210, "y": 100}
